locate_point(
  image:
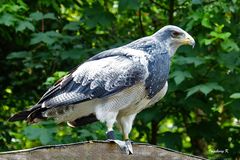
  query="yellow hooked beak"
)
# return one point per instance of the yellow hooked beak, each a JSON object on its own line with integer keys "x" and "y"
{"x": 188, "y": 40}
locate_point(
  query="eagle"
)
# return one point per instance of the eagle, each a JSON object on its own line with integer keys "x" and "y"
{"x": 112, "y": 86}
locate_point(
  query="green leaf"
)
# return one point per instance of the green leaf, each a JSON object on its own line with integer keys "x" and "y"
{"x": 180, "y": 76}
{"x": 234, "y": 108}
{"x": 106, "y": 19}
{"x": 96, "y": 15}
{"x": 192, "y": 90}
{"x": 84, "y": 133}
{"x": 60, "y": 74}
{"x": 45, "y": 138}
{"x": 215, "y": 86}
{"x": 45, "y": 135}
{"x": 13, "y": 7}
{"x": 8, "y": 90}
{"x": 205, "y": 22}
{"x": 22, "y": 25}
{"x": 189, "y": 60}
{"x": 218, "y": 28}
{"x": 208, "y": 41}
{"x": 235, "y": 96}
{"x": 36, "y": 16}
{"x": 229, "y": 45}
{"x": 56, "y": 76}
{"x": 19, "y": 55}
{"x": 126, "y": 5}
{"x": 194, "y": 18}
{"x": 196, "y": 1}
{"x": 50, "y": 81}
{"x": 54, "y": 34}
{"x": 204, "y": 88}
{"x": 180, "y": 2}
{"x": 39, "y": 16}
{"x": 75, "y": 53}
{"x": 223, "y": 36}
{"x": 229, "y": 60}
{"x": 72, "y": 26}
{"x": 32, "y": 132}
{"x": 41, "y": 37}
{"x": 49, "y": 37}
{"x": 7, "y": 19}
{"x": 49, "y": 16}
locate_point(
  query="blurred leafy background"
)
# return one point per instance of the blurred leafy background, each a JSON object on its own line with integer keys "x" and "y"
{"x": 41, "y": 40}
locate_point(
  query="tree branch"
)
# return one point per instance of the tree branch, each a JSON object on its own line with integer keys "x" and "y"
{"x": 171, "y": 11}
{"x": 154, "y": 132}
{"x": 42, "y": 28}
{"x": 140, "y": 22}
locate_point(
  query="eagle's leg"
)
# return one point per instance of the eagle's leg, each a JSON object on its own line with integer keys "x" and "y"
{"x": 125, "y": 146}
{"x": 110, "y": 132}
{"x": 110, "y": 135}
{"x": 126, "y": 125}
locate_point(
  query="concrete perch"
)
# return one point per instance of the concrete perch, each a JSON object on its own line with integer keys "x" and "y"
{"x": 97, "y": 150}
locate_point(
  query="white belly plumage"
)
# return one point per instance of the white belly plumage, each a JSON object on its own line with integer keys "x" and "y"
{"x": 144, "y": 103}
{"x": 129, "y": 101}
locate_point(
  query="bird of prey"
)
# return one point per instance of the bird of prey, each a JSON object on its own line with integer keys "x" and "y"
{"x": 112, "y": 86}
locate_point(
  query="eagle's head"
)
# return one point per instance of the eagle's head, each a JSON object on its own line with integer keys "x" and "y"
{"x": 173, "y": 37}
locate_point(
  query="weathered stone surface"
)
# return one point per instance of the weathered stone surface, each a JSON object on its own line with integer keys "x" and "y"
{"x": 95, "y": 150}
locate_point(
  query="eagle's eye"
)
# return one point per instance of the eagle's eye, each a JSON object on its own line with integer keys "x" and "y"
{"x": 175, "y": 34}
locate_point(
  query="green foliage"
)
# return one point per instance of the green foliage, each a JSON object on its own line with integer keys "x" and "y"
{"x": 44, "y": 133}
{"x": 235, "y": 96}
{"x": 180, "y": 76}
{"x": 128, "y": 5}
{"x": 96, "y": 15}
{"x": 52, "y": 79}
{"x": 49, "y": 132}
{"x": 41, "y": 41}
{"x": 204, "y": 88}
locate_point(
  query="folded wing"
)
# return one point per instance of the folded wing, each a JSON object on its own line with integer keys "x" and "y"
{"x": 96, "y": 78}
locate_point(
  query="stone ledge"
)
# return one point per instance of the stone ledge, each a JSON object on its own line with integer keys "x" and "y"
{"x": 96, "y": 150}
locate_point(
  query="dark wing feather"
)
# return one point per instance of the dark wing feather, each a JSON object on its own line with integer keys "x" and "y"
{"x": 57, "y": 86}
{"x": 113, "y": 75}
{"x": 83, "y": 120}
{"x": 19, "y": 116}
{"x": 102, "y": 76}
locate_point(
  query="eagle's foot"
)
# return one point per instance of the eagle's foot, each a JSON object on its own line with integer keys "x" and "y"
{"x": 128, "y": 147}
{"x": 125, "y": 146}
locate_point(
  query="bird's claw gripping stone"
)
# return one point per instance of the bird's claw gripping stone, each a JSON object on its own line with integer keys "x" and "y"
{"x": 129, "y": 147}
{"x": 125, "y": 146}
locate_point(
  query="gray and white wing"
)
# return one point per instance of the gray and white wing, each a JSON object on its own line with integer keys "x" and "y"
{"x": 95, "y": 79}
